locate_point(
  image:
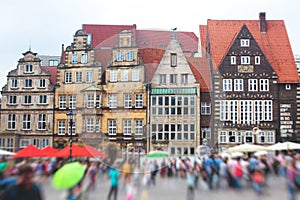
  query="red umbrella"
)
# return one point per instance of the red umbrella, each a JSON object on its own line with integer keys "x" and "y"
{"x": 48, "y": 152}
{"x": 76, "y": 152}
{"x": 94, "y": 152}
{"x": 29, "y": 151}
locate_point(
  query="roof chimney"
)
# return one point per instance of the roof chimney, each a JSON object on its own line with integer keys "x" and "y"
{"x": 262, "y": 22}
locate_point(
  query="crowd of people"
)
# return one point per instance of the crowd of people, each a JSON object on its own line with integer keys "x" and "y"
{"x": 215, "y": 172}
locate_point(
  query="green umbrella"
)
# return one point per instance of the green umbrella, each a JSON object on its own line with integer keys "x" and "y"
{"x": 68, "y": 175}
{"x": 2, "y": 166}
{"x": 157, "y": 154}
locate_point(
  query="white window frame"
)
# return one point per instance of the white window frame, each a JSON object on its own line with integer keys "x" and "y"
{"x": 127, "y": 100}
{"x": 89, "y": 78}
{"x": 113, "y": 75}
{"x": 14, "y": 83}
{"x": 11, "y": 121}
{"x": 249, "y": 134}
{"x": 233, "y": 135}
{"x": 74, "y": 58}
{"x": 43, "y": 99}
{"x": 124, "y": 75}
{"x": 232, "y": 60}
{"x": 42, "y": 83}
{"x": 245, "y": 43}
{"x": 222, "y": 137}
{"x": 205, "y": 108}
{"x": 26, "y": 122}
{"x": 112, "y": 101}
{"x": 245, "y": 60}
{"x": 68, "y": 77}
{"x": 135, "y": 73}
{"x": 138, "y": 100}
{"x": 61, "y": 127}
{"x": 163, "y": 79}
{"x": 238, "y": 85}
{"x": 72, "y": 102}
{"x": 127, "y": 127}
{"x": 83, "y": 58}
{"x": 129, "y": 56}
{"x": 78, "y": 77}
{"x": 62, "y": 102}
{"x": 173, "y": 79}
{"x": 120, "y": 56}
{"x": 112, "y": 127}
{"x": 268, "y": 110}
{"x": 28, "y": 68}
{"x": 184, "y": 79}
{"x": 98, "y": 101}
{"x": 288, "y": 87}
{"x": 264, "y": 85}
{"x": 12, "y": 99}
{"x": 27, "y": 83}
{"x": 89, "y": 125}
{"x": 27, "y": 99}
{"x": 257, "y": 60}
{"x": 227, "y": 85}
{"x": 173, "y": 59}
{"x": 252, "y": 85}
{"x": 90, "y": 101}
{"x": 97, "y": 125}
{"x": 42, "y": 122}
{"x": 270, "y": 137}
{"x": 138, "y": 127}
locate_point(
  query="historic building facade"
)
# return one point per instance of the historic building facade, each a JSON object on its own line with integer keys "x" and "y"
{"x": 27, "y": 105}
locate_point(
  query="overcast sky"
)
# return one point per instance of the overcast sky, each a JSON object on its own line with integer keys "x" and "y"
{"x": 46, "y": 24}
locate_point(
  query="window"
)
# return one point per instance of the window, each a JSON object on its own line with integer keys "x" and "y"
{"x": 205, "y": 108}
{"x": 222, "y": 137}
{"x": 112, "y": 127}
{"x": 43, "y": 99}
{"x": 90, "y": 101}
{"x": 62, "y": 102}
{"x": 89, "y": 76}
{"x": 248, "y": 137}
{"x": 245, "y": 42}
{"x": 26, "y": 121}
{"x": 264, "y": 85}
{"x": 135, "y": 75}
{"x": 245, "y": 60}
{"x": 73, "y": 128}
{"x": 12, "y": 99}
{"x": 14, "y": 83}
{"x": 257, "y": 60}
{"x": 268, "y": 110}
{"x": 239, "y": 137}
{"x": 124, "y": 75}
{"x": 238, "y": 85}
{"x": 53, "y": 62}
{"x": 41, "y": 121}
{"x": 42, "y": 83}
{"x": 120, "y": 56}
{"x": 112, "y": 101}
{"x": 205, "y": 133}
{"x": 252, "y": 85}
{"x": 270, "y": 137}
{"x": 227, "y": 85}
{"x": 28, "y": 68}
{"x": 61, "y": 127}
{"x": 89, "y": 125}
{"x": 89, "y": 39}
{"x": 11, "y": 122}
{"x": 28, "y": 83}
{"x": 127, "y": 101}
{"x": 162, "y": 79}
{"x": 173, "y": 59}
{"x": 113, "y": 76}
{"x": 97, "y": 101}
{"x": 138, "y": 127}
{"x": 139, "y": 100}
{"x": 184, "y": 79}
{"x": 27, "y": 99}
{"x": 78, "y": 77}
{"x": 233, "y": 60}
{"x": 173, "y": 78}
{"x": 68, "y": 77}
{"x": 288, "y": 87}
{"x": 72, "y": 102}
{"x": 127, "y": 127}
{"x": 97, "y": 126}
{"x": 74, "y": 58}
{"x": 129, "y": 56}
{"x": 84, "y": 58}
{"x": 231, "y": 137}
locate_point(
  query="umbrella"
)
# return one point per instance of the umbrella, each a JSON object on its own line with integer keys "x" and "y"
{"x": 203, "y": 150}
{"x": 68, "y": 175}
{"x": 29, "y": 151}
{"x": 246, "y": 148}
{"x": 6, "y": 153}
{"x": 157, "y": 154}
{"x": 94, "y": 152}
{"x": 284, "y": 146}
{"x": 261, "y": 153}
{"x": 48, "y": 152}
{"x": 2, "y": 166}
{"x": 77, "y": 151}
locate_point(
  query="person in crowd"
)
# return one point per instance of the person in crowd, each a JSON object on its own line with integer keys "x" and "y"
{"x": 163, "y": 168}
{"x": 191, "y": 179}
{"x": 258, "y": 180}
{"x": 24, "y": 188}
{"x": 126, "y": 168}
{"x": 291, "y": 174}
{"x": 114, "y": 182}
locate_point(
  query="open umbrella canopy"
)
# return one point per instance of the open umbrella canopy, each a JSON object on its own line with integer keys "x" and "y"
{"x": 77, "y": 151}
{"x": 68, "y": 175}
{"x": 29, "y": 151}
{"x": 284, "y": 146}
{"x": 157, "y": 154}
{"x": 48, "y": 152}
{"x": 94, "y": 152}
{"x": 2, "y": 166}
{"x": 246, "y": 148}
{"x": 6, "y": 153}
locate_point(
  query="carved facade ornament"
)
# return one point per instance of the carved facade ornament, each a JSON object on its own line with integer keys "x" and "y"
{"x": 245, "y": 68}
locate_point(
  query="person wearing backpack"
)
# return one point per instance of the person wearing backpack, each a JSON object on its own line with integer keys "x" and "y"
{"x": 24, "y": 188}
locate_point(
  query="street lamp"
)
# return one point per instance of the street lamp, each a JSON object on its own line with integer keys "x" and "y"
{"x": 71, "y": 116}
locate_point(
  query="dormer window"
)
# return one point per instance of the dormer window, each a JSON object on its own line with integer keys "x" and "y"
{"x": 245, "y": 42}
{"x": 288, "y": 87}
{"x": 173, "y": 59}
{"x": 233, "y": 60}
{"x": 28, "y": 68}
{"x": 129, "y": 56}
{"x": 74, "y": 58}
{"x": 84, "y": 58}
{"x": 257, "y": 60}
{"x": 120, "y": 56}
{"x": 245, "y": 60}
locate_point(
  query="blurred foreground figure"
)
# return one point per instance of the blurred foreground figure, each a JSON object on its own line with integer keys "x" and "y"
{"x": 24, "y": 188}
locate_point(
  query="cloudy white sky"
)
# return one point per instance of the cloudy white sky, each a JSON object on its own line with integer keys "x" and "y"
{"x": 46, "y": 24}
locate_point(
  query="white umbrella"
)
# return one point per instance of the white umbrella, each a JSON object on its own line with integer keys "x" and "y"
{"x": 6, "y": 153}
{"x": 284, "y": 146}
{"x": 246, "y": 148}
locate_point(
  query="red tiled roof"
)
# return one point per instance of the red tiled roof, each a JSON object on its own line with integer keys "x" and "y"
{"x": 203, "y": 34}
{"x": 105, "y": 34}
{"x": 53, "y": 73}
{"x": 274, "y": 43}
{"x": 200, "y": 69}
